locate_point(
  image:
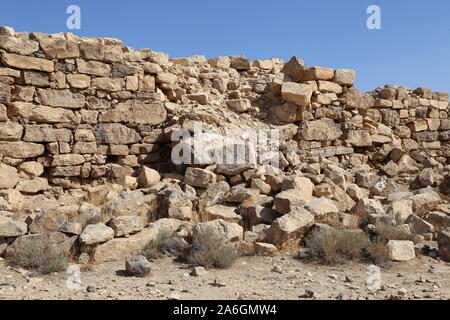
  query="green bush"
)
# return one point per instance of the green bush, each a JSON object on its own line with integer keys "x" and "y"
{"x": 209, "y": 250}
{"x": 40, "y": 257}
{"x": 155, "y": 248}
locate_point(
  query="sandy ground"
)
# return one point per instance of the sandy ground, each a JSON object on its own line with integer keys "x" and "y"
{"x": 252, "y": 278}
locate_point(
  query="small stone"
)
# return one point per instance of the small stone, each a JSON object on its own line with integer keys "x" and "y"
{"x": 198, "y": 271}
{"x": 277, "y": 269}
{"x": 91, "y": 289}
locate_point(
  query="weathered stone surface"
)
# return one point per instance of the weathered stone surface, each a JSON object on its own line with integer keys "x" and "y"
{"x": 94, "y": 68}
{"x": 321, "y": 130}
{"x": 239, "y": 105}
{"x": 20, "y": 46}
{"x": 126, "y": 225}
{"x": 10, "y": 131}
{"x": 10, "y": 228}
{"x": 55, "y": 48}
{"x": 148, "y": 177}
{"x": 35, "y": 133}
{"x": 95, "y": 234}
{"x": 289, "y": 227}
{"x": 138, "y": 266}
{"x": 33, "y": 186}
{"x": 115, "y": 133}
{"x": 225, "y": 230}
{"x": 400, "y": 250}
{"x": 61, "y": 98}
{"x": 41, "y": 113}
{"x": 344, "y": 77}
{"x": 9, "y": 176}
{"x": 226, "y": 213}
{"x": 444, "y": 244}
{"x": 27, "y": 63}
{"x": 56, "y": 240}
{"x": 21, "y": 150}
{"x": 123, "y": 248}
{"x": 197, "y": 177}
{"x": 48, "y": 221}
{"x": 300, "y": 94}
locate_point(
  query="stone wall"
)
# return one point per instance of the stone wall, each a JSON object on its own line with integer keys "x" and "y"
{"x": 93, "y": 119}
{"x": 77, "y": 111}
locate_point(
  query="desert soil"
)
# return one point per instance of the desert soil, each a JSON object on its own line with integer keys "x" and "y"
{"x": 252, "y": 278}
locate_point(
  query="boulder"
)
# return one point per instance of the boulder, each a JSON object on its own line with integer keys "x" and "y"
{"x": 286, "y": 200}
{"x": 300, "y": 94}
{"x": 443, "y": 240}
{"x": 228, "y": 231}
{"x": 119, "y": 249}
{"x": 138, "y": 266}
{"x": 95, "y": 234}
{"x": 126, "y": 225}
{"x": 148, "y": 177}
{"x": 289, "y": 227}
{"x": 226, "y": 213}
{"x": 265, "y": 249}
{"x": 55, "y": 240}
{"x": 400, "y": 250}
{"x": 11, "y": 229}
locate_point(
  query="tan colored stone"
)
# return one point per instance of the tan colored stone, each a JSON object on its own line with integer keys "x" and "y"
{"x": 9, "y": 176}
{"x": 55, "y": 48}
{"x": 27, "y": 63}
{"x": 21, "y": 150}
{"x": 344, "y": 77}
{"x": 79, "y": 81}
{"x": 94, "y": 68}
{"x": 300, "y": 94}
{"x": 61, "y": 98}
{"x": 20, "y": 46}
{"x": 10, "y": 131}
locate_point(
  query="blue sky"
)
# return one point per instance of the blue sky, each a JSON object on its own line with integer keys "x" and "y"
{"x": 411, "y": 49}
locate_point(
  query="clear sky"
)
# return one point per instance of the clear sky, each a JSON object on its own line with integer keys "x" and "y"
{"x": 411, "y": 49}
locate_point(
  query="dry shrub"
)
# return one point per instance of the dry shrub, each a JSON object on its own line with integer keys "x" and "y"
{"x": 209, "y": 250}
{"x": 378, "y": 252}
{"x": 39, "y": 256}
{"x": 155, "y": 248}
{"x": 337, "y": 245}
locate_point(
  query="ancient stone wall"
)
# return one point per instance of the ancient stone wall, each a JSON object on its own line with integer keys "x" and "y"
{"x": 91, "y": 119}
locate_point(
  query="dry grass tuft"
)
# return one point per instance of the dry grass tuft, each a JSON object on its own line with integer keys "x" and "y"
{"x": 40, "y": 257}
{"x": 209, "y": 250}
{"x": 155, "y": 248}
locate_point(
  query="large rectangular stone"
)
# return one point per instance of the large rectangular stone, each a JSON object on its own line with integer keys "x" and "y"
{"x": 36, "y": 133}
{"x": 61, "y": 98}
{"x": 55, "y": 48}
{"x": 40, "y": 113}
{"x": 94, "y": 68}
{"x": 300, "y": 94}
{"x": 27, "y": 63}
{"x": 20, "y": 46}
{"x": 21, "y": 150}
